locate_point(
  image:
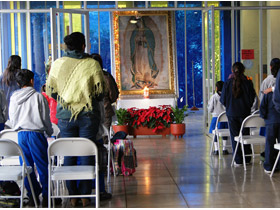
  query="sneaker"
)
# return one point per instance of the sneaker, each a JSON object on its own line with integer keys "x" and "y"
{"x": 216, "y": 152}
{"x": 267, "y": 172}
{"x": 237, "y": 164}
{"x": 105, "y": 196}
{"x": 225, "y": 152}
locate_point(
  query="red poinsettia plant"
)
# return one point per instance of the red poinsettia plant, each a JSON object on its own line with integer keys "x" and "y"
{"x": 157, "y": 118}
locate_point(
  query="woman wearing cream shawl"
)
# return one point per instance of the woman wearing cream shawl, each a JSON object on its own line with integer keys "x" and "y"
{"x": 76, "y": 81}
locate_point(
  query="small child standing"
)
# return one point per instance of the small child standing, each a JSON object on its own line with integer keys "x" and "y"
{"x": 216, "y": 108}
{"x": 29, "y": 111}
{"x": 272, "y": 124}
{"x": 3, "y": 111}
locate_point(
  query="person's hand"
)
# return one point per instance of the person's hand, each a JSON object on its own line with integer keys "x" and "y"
{"x": 268, "y": 90}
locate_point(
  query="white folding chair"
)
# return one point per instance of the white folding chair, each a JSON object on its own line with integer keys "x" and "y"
{"x": 12, "y": 135}
{"x": 256, "y": 112}
{"x": 276, "y": 146}
{"x": 219, "y": 132}
{"x": 255, "y": 131}
{"x": 252, "y": 121}
{"x": 72, "y": 147}
{"x": 15, "y": 173}
{"x": 110, "y": 153}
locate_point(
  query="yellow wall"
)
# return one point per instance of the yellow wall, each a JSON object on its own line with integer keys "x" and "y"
{"x": 249, "y": 38}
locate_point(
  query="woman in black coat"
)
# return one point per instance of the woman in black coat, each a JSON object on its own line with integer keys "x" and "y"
{"x": 238, "y": 96}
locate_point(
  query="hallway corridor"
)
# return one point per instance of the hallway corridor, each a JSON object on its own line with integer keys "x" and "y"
{"x": 180, "y": 173}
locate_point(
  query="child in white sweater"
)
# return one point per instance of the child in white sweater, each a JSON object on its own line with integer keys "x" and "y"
{"x": 216, "y": 108}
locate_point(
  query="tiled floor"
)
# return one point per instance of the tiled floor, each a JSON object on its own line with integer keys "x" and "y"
{"x": 180, "y": 173}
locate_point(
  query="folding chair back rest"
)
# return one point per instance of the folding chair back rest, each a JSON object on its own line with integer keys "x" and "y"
{"x": 9, "y": 148}
{"x": 9, "y": 134}
{"x": 256, "y": 112}
{"x": 253, "y": 121}
{"x": 222, "y": 118}
{"x": 72, "y": 147}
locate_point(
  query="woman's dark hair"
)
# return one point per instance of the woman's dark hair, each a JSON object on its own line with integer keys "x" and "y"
{"x": 14, "y": 64}
{"x": 238, "y": 70}
{"x": 275, "y": 65}
{"x": 98, "y": 58}
{"x": 75, "y": 41}
{"x": 43, "y": 88}
{"x": 23, "y": 77}
{"x": 219, "y": 86}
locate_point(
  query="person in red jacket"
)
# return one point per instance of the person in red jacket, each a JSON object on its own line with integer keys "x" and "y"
{"x": 51, "y": 101}
{"x": 52, "y": 105}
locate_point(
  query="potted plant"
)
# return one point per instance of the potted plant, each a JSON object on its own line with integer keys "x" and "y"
{"x": 178, "y": 127}
{"x": 123, "y": 119}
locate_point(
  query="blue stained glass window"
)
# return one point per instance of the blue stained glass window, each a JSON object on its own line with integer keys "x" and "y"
{"x": 42, "y": 4}
{"x": 180, "y": 41}
{"x": 40, "y": 40}
{"x": 180, "y": 4}
{"x": 92, "y": 4}
{"x": 104, "y": 36}
{"x": 139, "y": 4}
{"x": 171, "y": 4}
{"x": 193, "y": 3}
{"x": 6, "y": 39}
{"x": 105, "y": 51}
{"x": 189, "y": 3}
{"x": 107, "y": 4}
{"x": 93, "y": 31}
{"x": 194, "y": 56}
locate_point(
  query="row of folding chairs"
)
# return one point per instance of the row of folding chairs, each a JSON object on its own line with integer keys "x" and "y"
{"x": 61, "y": 173}
{"x": 254, "y": 122}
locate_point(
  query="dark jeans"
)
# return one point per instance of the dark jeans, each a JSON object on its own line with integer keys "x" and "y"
{"x": 272, "y": 133}
{"x": 84, "y": 126}
{"x": 234, "y": 127}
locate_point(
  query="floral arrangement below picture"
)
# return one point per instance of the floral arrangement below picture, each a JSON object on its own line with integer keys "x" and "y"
{"x": 156, "y": 118}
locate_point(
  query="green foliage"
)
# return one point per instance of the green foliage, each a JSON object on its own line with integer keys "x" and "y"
{"x": 122, "y": 116}
{"x": 179, "y": 114}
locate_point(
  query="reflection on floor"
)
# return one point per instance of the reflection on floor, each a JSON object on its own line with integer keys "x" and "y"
{"x": 180, "y": 173}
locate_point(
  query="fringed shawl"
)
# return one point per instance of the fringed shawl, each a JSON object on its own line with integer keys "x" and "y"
{"x": 76, "y": 82}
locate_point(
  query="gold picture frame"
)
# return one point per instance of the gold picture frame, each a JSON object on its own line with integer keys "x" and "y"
{"x": 143, "y": 52}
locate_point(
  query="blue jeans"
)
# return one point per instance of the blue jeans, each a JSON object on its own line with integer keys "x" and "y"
{"x": 234, "y": 128}
{"x": 272, "y": 133}
{"x": 84, "y": 126}
{"x": 34, "y": 146}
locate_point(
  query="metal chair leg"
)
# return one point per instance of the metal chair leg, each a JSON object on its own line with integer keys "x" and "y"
{"x": 274, "y": 166}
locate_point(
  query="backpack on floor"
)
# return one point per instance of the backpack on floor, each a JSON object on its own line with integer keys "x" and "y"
{"x": 125, "y": 159}
{"x": 9, "y": 188}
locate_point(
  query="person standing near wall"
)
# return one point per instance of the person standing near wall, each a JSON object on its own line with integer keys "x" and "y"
{"x": 238, "y": 96}
{"x": 76, "y": 81}
{"x": 110, "y": 97}
{"x": 7, "y": 80}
